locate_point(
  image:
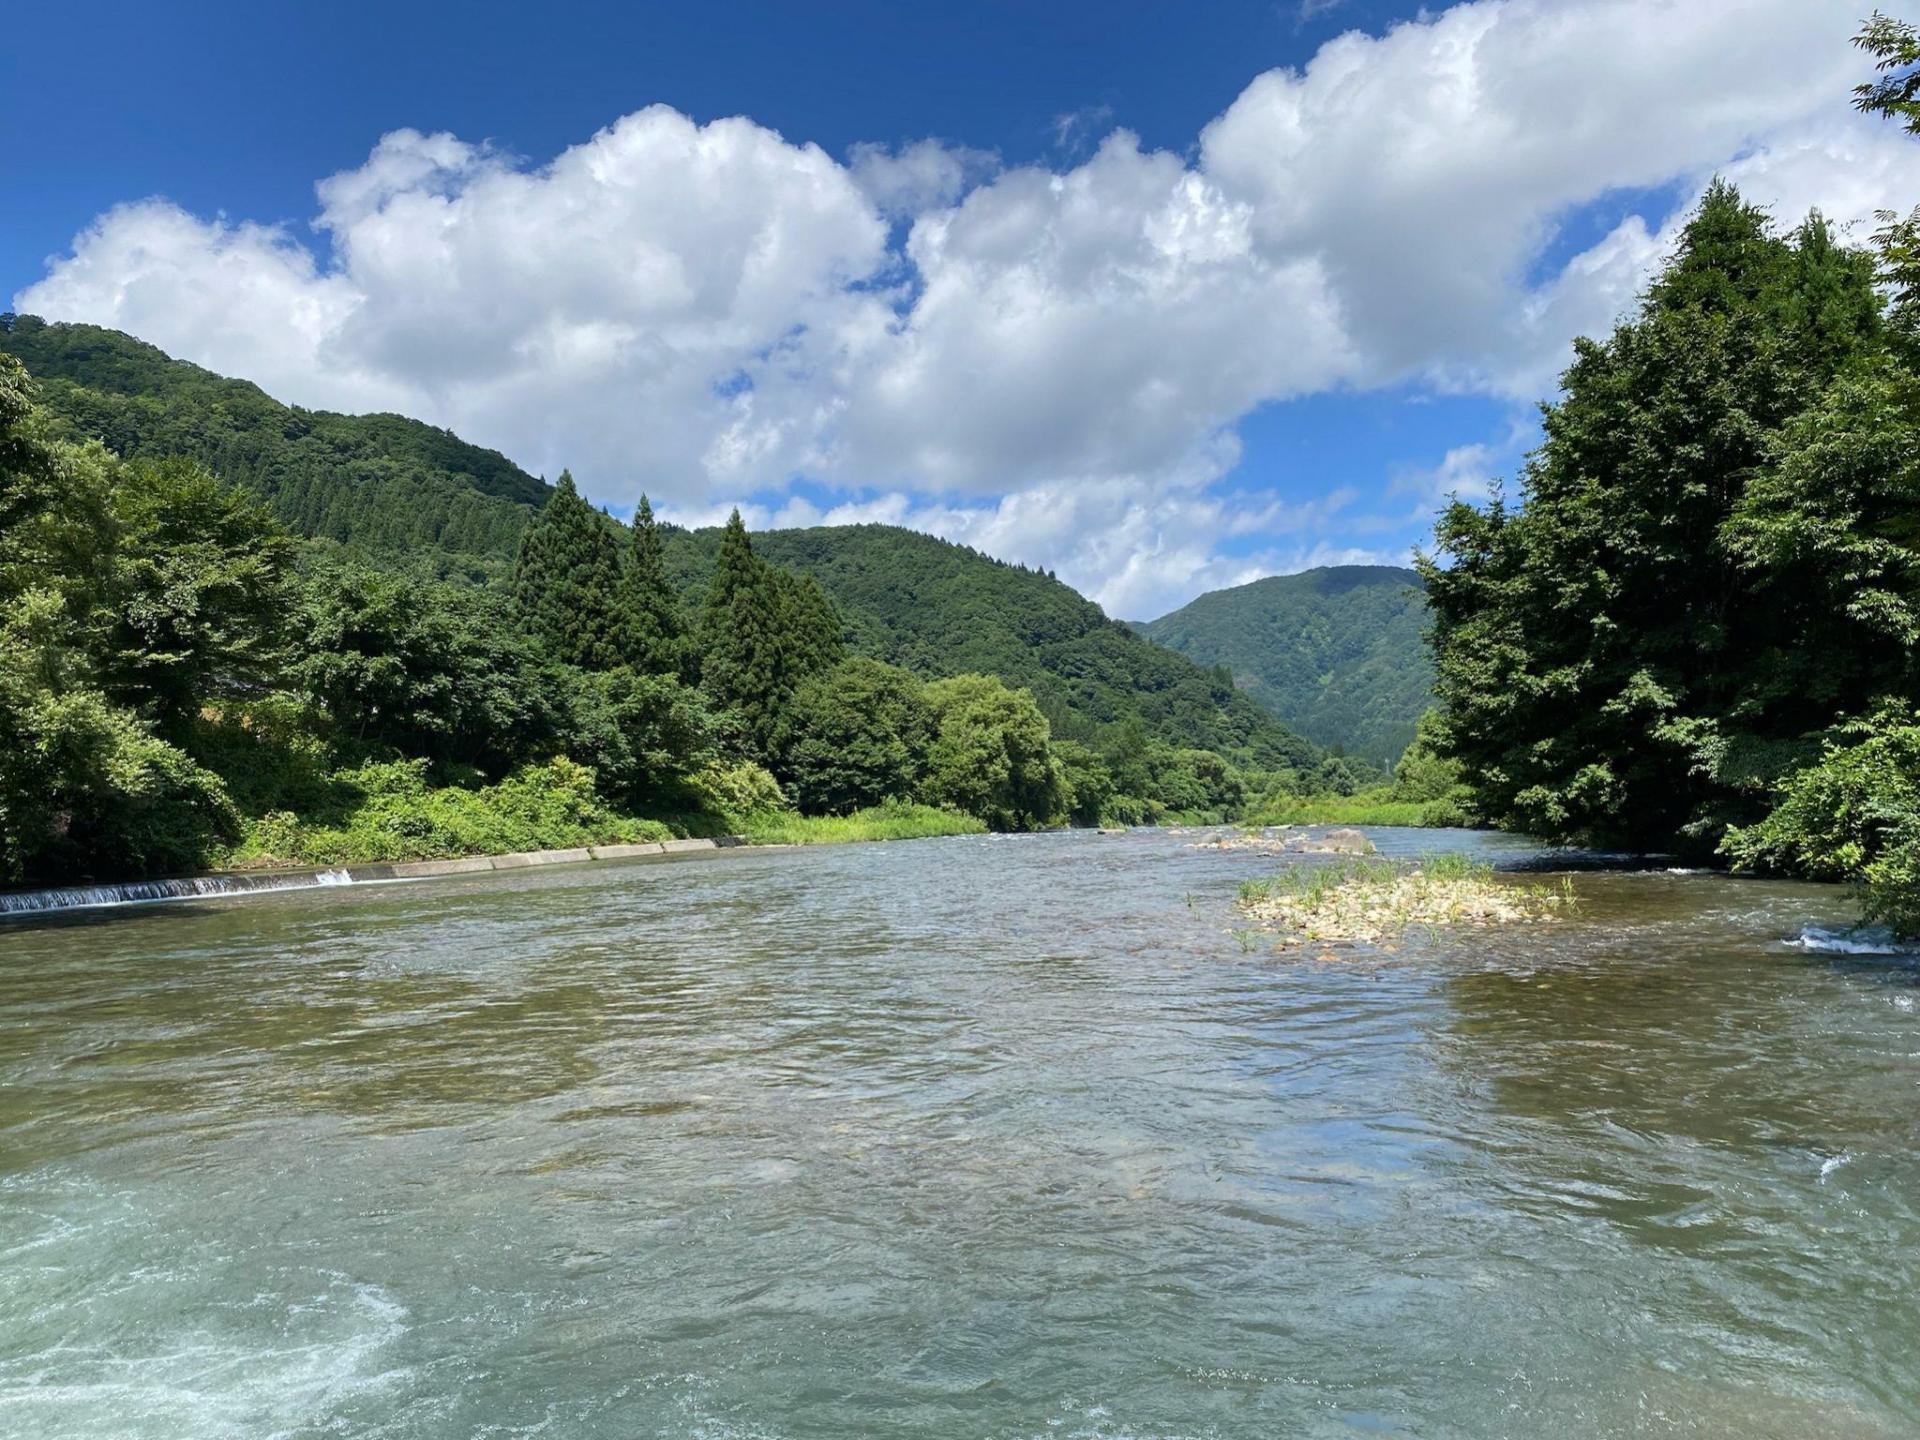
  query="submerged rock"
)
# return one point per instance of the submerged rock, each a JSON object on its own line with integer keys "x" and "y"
{"x": 1343, "y": 842}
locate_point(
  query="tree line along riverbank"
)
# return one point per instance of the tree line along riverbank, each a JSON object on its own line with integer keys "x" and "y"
{"x": 186, "y": 683}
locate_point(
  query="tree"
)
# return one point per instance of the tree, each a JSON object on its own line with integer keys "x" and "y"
{"x": 810, "y": 626}
{"x": 439, "y": 672}
{"x": 990, "y": 755}
{"x": 1602, "y": 651}
{"x": 740, "y": 664}
{"x": 859, "y": 734}
{"x": 56, "y": 522}
{"x": 1424, "y": 772}
{"x": 568, "y": 586}
{"x": 1088, "y": 781}
{"x": 658, "y": 635}
{"x": 198, "y": 592}
{"x": 85, "y": 789}
{"x": 646, "y": 736}
{"x": 763, "y": 631}
{"x": 1895, "y": 47}
{"x": 1829, "y": 529}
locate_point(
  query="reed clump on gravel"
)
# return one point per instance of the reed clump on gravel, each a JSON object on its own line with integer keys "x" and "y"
{"x": 1366, "y": 901}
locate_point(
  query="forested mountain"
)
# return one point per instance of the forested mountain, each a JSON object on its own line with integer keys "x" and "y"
{"x": 939, "y": 609}
{"x": 380, "y": 482}
{"x": 400, "y": 492}
{"x": 1338, "y": 653}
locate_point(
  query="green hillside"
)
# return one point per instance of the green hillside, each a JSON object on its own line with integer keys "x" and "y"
{"x": 380, "y": 482}
{"x": 938, "y": 609}
{"x": 389, "y": 486}
{"x": 1337, "y": 653}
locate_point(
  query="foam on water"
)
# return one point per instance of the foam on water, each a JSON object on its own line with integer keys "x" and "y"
{"x": 149, "y": 892}
{"x": 195, "y": 1383}
{"x": 1861, "y": 940}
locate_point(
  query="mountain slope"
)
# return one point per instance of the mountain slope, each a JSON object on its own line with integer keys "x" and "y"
{"x": 1338, "y": 653}
{"x": 394, "y": 486}
{"x": 941, "y": 609}
{"x": 383, "y": 482}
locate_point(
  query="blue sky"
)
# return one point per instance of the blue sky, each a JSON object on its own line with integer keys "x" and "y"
{"x": 1160, "y": 297}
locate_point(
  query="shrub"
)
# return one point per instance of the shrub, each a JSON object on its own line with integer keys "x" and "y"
{"x": 990, "y": 757}
{"x": 397, "y": 814}
{"x": 1853, "y": 816}
{"x": 737, "y": 791}
{"x": 858, "y": 735}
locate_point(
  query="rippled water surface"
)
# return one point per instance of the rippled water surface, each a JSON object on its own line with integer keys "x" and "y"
{"x": 957, "y": 1138}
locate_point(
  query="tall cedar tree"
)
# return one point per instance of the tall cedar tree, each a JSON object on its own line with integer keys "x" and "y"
{"x": 763, "y": 632}
{"x": 568, "y": 586}
{"x": 1608, "y": 665}
{"x": 653, "y": 615}
{"x": 742, "y": 665}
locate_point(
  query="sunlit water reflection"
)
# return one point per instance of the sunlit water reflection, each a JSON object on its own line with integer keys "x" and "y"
{"x": 976, "y": 1137}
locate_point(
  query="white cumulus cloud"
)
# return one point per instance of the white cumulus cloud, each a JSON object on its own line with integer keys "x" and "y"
{"x": 1050, "y": 362}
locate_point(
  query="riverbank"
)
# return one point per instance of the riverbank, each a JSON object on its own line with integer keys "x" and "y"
{"x": 763, "y": 832}
{"x": 878, "y": 822}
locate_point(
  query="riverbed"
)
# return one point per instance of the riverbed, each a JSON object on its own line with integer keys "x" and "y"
{"x": 978, "y": 1137}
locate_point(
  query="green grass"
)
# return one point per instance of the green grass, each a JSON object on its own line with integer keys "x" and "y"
{"x": 880, "y": 822}
{"x": 1312, "y": 884}
{"x": 1369, "y": 807}
{"x": 392, "y": 812}
{"x": 1374, "y": 900}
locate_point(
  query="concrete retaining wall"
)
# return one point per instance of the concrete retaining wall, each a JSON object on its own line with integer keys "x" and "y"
{"x": 523, "y": 859}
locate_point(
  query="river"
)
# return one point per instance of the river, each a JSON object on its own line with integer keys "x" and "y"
{"x": 982, "y": 1137}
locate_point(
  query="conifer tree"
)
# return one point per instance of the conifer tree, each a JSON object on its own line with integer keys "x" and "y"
{"x": 742, "y": 667}
{"x": 653, "y": 614}
{"x": 568, "y": 587}
{"x": 811, "y": 626}
{"x": 1610, "y": 665}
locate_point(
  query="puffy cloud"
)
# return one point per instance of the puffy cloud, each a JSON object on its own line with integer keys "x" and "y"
{"x": 1430, "y": 165}
{"x": 1110, "y": 321}
{"x": 908, "y": 179}
{"x": 609, "y": 310}
{"x": 1050, "y": 363}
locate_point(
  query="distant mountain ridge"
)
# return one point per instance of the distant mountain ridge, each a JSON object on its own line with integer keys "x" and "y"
{"x": 1338, "y": 653}
{"x": 380, "y": 481}
{"x": 938, "y": 609}
{"x": 400, "y": 488}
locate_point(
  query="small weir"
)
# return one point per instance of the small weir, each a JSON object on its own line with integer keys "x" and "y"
{"x": 139, "y": 892}
{"x": 209, "y": 887}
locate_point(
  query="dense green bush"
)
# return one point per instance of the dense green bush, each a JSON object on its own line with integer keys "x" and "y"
{"x": 738, "y": 790}
{"x": 395, "y": 812}
{"x": 646, "y": 736}
{"x": 990, "y": 755}
{"x": 1855, "y": 816}
{"x": 858, "y": 734}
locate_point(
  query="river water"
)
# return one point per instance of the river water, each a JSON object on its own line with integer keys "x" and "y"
{"x": 984, "y": 1137}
